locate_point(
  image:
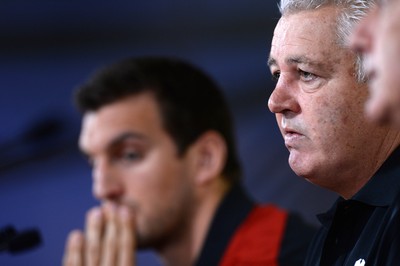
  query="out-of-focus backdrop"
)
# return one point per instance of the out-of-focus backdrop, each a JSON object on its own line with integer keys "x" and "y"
{"x": 48, "y": 47}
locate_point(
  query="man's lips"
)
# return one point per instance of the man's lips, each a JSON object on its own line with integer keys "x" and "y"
{"x": 292, "y": 131}
{"x": 291, "y": 136}
{"x": 287, "y": 130}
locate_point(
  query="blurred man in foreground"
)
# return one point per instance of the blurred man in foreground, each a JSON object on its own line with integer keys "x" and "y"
{"x": 378, "y": 39}
{"x": 160, "y": 139}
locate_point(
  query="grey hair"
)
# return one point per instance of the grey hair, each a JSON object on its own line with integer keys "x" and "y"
{"x": 351, "y": 12}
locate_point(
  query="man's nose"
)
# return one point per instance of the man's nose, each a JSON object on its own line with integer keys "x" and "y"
{"x": 106, "y": 183}
{"x": 283, "y": 97}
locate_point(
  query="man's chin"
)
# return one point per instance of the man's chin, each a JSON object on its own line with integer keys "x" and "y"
{"x": 302, "y": 168}
{"x": 297, "y": 163}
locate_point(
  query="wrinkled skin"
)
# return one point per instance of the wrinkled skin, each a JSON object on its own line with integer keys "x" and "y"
{"x": 319, "y": 104}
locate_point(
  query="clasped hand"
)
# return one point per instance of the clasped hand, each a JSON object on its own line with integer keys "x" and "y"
{"x": 108, "y": 239}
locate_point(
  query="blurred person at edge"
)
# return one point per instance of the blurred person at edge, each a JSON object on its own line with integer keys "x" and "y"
{"x": 319, "y": 100}
{"x": 160, "y": 139}
{"x": 378, "y": 38}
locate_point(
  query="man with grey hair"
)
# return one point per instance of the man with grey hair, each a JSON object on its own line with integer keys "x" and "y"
{"x": 318, "y": 101}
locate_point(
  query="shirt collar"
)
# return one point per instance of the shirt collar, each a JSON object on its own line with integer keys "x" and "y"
{"x": 380, "y": 190}
{"x": 232, "y": 211}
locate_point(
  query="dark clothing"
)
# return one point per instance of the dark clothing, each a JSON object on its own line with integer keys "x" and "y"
{"x": 245, "y": 233}
{"x": 364, "y": 229}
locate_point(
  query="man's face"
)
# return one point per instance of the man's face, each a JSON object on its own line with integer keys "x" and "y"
{"x": 135, "y": 164}
{"x": 378, "y": 38}
{"x": 319, "y": 104}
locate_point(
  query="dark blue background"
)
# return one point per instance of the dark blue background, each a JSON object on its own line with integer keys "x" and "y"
{"x": 47, "y": 48}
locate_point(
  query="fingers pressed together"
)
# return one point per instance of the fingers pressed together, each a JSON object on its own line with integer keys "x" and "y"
{"x": 108, "y": 239}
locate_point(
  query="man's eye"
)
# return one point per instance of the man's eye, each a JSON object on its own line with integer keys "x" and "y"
{"x": 306, "y": 76}
{"x": 131, "y": 156}
{"x": 276, "y": 75}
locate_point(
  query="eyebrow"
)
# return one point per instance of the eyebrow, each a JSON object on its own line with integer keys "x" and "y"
{"x": 118, "y": 140}
{"x": 124, "y": 136}
{"x": 295, "y": 60}
{"x": 299, "y": 60}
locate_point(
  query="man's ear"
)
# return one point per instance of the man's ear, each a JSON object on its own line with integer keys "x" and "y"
{"x": 210, "y": 154}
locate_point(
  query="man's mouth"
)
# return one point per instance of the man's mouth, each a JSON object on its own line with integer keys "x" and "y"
{"x": 291, "y": 136}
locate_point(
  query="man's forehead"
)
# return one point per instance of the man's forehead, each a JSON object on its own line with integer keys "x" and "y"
{"x": 93, "y": 138}
{"x": 305, "y": 33}
{"x": 86, "y": 133}
{"x": 94, "y": 131}
{"x": 297, "y": 29}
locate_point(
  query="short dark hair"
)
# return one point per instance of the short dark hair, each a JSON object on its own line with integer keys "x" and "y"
{"x": 189, "y": 101}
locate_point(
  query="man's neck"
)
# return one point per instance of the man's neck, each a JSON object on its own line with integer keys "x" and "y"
{"x": 186, "y": 249}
